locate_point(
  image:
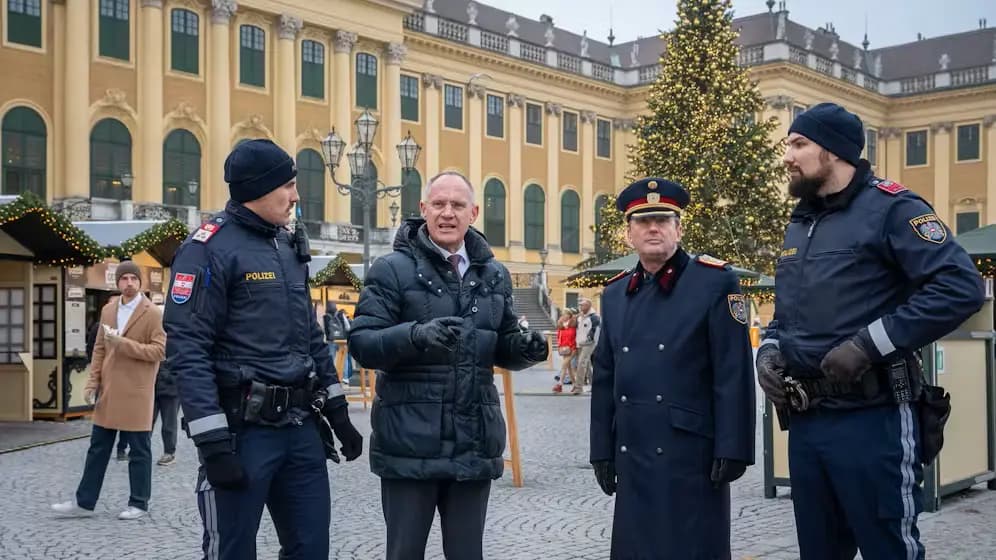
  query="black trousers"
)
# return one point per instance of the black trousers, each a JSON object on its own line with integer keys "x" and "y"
{"x": 410, "y": 506}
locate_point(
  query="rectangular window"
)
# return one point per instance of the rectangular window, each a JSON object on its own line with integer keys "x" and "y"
{"x": 11, "y": 324}
{"x": 24, "y": 22}
{"x": 252, "y": 56}
{"x": 966, "y": 221}
{"x": 183, "y": 42}
{"x": 44, "y": 321}
{"x": 871, "y": 146}
{"x": 453, "y": 107}
{"x": 366, "y": 80}
{"x": 571, "y": 299}
{"x": 968, "y": 142}
{"x": 409, "y": 98}
{"x": 496, "y": 116}
{"x": 114, "y": 30}
{"x": 312, "y": 69}
{"x": 570, "y": 131}
{"x": 604, "y": 140}
{"x": 534, "y": 124}
{"x": 916, "y": 148}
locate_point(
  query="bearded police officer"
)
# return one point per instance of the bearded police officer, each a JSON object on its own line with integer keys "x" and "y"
{"x": 672, "y": 408}
{"x": 252, "y": 366}
{"x": 868, "y": 275}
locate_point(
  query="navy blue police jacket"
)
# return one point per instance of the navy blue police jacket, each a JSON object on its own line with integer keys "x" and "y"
{"x": 672, "y": 390}
{"x": 239, "y": 309}
{"x": 873, "y": 260}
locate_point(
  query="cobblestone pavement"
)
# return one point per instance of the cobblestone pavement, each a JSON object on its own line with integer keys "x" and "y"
{"x": 558, "y": 515}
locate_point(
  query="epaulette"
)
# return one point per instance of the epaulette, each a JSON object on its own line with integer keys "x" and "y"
{"x": 618, "y": 276}
{"x": 711, "y": 262}
{"x": 208, "y": 229}
{"x": 891, "y": 187}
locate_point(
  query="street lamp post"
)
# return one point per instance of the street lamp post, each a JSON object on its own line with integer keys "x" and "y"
{"x": 361, "y": 185}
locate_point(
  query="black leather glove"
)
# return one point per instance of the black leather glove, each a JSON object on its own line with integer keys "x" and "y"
{"x": 534, "y": 347}
{"x": 771, "y": 374}
{"x": 351, "y": 440}
{"x": 221, "y": 465}
{"x": 847, "y": 362}
{"x": 725, "y": 471}
{"x": 605, "y": 474}
{"x": 441, "y": 332}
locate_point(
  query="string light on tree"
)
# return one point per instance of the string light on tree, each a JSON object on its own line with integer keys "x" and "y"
{"x": 702, "y": 132}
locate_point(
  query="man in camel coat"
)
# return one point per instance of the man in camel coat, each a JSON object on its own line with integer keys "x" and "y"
{"x": 130, "y": 344}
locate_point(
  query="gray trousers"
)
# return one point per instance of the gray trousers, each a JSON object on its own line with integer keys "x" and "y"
{"x": 410, "y": 506}
{"x": 167, "y": 408}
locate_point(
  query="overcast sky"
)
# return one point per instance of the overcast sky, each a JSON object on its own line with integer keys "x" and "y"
{"x": 890, "y": 22}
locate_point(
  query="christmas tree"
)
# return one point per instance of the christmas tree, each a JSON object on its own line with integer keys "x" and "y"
{"x": 701, "y": 131}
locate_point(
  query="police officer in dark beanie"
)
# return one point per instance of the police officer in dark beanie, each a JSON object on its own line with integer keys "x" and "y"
{"x": 253, "y": 367}
{"x": 867, "y": 276}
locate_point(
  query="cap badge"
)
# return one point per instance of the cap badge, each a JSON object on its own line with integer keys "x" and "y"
{"x": 652, "y": 185}
{"x": 653, "y": 198}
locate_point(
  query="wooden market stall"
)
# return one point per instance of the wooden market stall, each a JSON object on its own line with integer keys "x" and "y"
{"x": 37, "y": 248}
{"x": 83, "y": 291}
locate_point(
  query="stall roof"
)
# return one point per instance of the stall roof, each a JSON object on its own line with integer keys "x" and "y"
{"x": 123, "y": 239}
{"x": 331, "y": 270}
{"x": 604, "y": 271}
{"x": 51, "y": 238}
{"x": 979, "y": 242}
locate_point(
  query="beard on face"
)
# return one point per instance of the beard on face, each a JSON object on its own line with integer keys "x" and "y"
{"x": 805, "y": 187}
{"x": 808, "y": 187}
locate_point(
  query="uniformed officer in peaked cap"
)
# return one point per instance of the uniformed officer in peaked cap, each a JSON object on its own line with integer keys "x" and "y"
{"x": 672, "y": 409}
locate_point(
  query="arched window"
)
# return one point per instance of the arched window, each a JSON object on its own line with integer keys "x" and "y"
{"x": 23, "y": 148}
{"x": 411, "y": 194}
{"x": 535, "y": 212}
{"x": 600, "y": 202}
{"x": 311, "y": 187}
{"x": 494, "y": 212}
{"x": 570, "y": 222}
{"x": 110, "y": 159}
{"x": 181, "y": 169}
{"x": 356, "y": 202}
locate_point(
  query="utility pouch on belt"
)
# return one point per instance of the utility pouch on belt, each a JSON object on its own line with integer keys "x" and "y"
{"x": 934, "y": 410}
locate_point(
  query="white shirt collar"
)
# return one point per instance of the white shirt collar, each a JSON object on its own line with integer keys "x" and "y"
{"x": 462, "y": 251}
{"x": 131, "y": 304}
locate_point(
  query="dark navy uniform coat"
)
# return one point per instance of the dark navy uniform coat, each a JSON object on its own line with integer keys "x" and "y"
{"x": 238, "y": 310}
{"x": 875, "y": 257}
{"x": 673, "y": 388}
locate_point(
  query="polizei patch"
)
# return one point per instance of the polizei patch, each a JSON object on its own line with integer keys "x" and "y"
{"x": 183, "y": 287}
{"x": 738, "y": 307}
{"x": 929, "y": 228}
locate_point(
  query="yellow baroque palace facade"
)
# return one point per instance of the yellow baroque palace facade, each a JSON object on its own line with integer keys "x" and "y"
{"x": 123, "y": 109}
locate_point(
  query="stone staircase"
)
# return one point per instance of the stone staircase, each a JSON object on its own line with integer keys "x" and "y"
{"x": 527, "y": 303}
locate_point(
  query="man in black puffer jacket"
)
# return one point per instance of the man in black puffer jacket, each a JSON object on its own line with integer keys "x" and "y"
{"x": 435, "y": 316}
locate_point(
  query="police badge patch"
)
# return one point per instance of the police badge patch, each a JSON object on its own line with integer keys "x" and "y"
{"x": 929, "y": 228}
{"x": 738, "y": 307}
{"x": 183, "y": 287}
